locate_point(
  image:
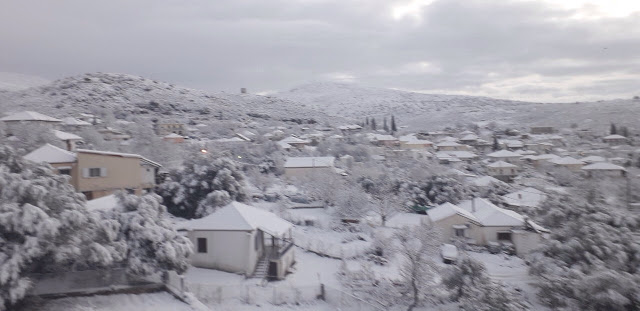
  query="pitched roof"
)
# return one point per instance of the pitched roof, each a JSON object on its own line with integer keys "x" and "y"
{"x": 489, "y": 214}
{"x": 241, "y": 217}
{"x": 29, "y": 116}
{"x": 593, "y": 159}
{"x": 74, "y": 121}
{"x": 51, "y": 154}
{"x": 119, "y": 154}
{"x": 614, "y": 136}
{"x": 446, "y": 210}
{"x": 448, "y": 144}
{"x": 294, "y": 140}
{"x": 603, "y": 166}
{"x": 566, "y": 161}
{"x": 66, "y": 136}
{"x": 504, "y": 154}
{"x": 531, "y": 197}
{"x": 173, "y": 135}
{"x": 486, "y": 181}
{"x": 309, "y": 162}
{"x": 502, "y": 164}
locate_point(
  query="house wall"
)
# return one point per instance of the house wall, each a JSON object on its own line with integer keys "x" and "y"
{"x": 493, "y": 171}
{"x": 231, "y": 251}
{"x": 12, "y": 126}
{"x": 303, "y": 171}
{"x": 148, "y": 173}
{"x": 121, "y": 173}
{"x": 490, "y": 234}
{"x": 447, "y": 232}
{"x": 453, "y": 148}
{"x": 74, "y": 171}
{"x": 525, "y": 241}
{"x": 285, "y": 262}
{"x": 512, "y": 160}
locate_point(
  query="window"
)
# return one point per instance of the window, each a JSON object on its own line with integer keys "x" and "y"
{"x": 94, "y": 172}
{"x": 460, "y": 232}
{"x": 202, "y": 245}
{"x": 64, "y": 171}
{"x": 504, "y": 236}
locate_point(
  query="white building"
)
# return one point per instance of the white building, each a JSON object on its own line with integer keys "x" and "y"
{"x": 505, "y": 155}
{"x": 242, "y": 239}
{"x": 301, "y": 166}
{"x": 30, "y": 118}
{"x": 502, "y": 170}
{"x": 604, "y": 169}
{"x": 480, "y": 222}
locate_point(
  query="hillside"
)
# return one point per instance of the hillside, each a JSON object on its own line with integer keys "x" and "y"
{"x": 434, "y": 111}
{"x": 131, "y": 95}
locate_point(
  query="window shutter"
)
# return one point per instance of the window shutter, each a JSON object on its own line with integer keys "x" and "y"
{"x": 85, "y": 172}
{"x": 103, "y": 172}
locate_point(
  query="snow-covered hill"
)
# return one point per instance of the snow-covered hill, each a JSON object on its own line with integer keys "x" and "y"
{"x": 132, "y": 95}
{"x": 14, "y": 81}
{"x": 434, "y": 111}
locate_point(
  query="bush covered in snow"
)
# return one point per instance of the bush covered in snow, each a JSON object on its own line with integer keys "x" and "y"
{"x": 202, "y": 185}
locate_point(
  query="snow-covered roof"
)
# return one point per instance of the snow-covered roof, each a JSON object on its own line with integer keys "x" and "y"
{"x": 448, "y": 138}
{"x": 489, "y": 214}
{"x": 74, "y": 121}
{"x": 173, "y": 135}
{"x": 29, "y": 116}
{"x": 417, "y": 142}
{"x": 486, "y": 181}
{"x": 66, "y": 136}
{"x": 446, "y": 210}
{"x": 547, "y": 156}
{"x": 614, "y": 136}
{"x": 603, "y": 166}
{"x": 294, "y": 140}
{"x": 566, "y": 161}
{"x": 284, "y": 145}
{"x": 119, "y": 154}
{"x": 51, "y": 154}
{"x": 531, "y": 197}
{"x": 240, "y": 217}
{"x": 309, "y": 162}
{"x": 350, "y": 127}
{"x": 470, "y": 137}
{"x": 448, "y": 144}
{"x": 502, "y": 164}
{"x": 408, "y": 137}
{"x": 381, "y": 137}
{"x": 463, "y": 155}
{"x": 593, "y": 159}
{"x": 504, "y": 154}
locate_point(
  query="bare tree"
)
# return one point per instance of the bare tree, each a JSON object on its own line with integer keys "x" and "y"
{"x": 418, "y": 246}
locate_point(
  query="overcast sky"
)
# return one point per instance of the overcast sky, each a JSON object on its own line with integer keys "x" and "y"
{"x": 528, "y": 50}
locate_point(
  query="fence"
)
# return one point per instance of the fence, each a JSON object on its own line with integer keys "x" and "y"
{"x": 348, "y": 302}
{"x": 85, "y": 281}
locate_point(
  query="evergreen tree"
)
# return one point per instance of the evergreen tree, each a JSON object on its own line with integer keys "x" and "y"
{"x": 624, "y": 131}
{"x": 373, "y": 124}
{"x": 393, "y": 125}
{"x": 496, "y": 144}
{"x": 613, "y": 130}
{"x": 384, "y": 125}
{"x": 366, "y": 121}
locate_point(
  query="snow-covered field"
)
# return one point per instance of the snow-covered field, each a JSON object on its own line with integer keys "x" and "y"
{"x": 122, "y": 302}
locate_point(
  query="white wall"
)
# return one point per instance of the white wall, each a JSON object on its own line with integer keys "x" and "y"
{"x": 231, "y": 251}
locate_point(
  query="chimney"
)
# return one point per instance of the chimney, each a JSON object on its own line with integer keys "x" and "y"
{"x": 520, "y": 196}
{"x": 473, "y": 205}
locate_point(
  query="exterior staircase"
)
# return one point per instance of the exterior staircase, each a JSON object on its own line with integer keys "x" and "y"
{"x": 261, "y": 269}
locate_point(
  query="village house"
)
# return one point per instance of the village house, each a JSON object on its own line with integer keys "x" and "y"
{"x": 111, "y": 134}
{"x": 173, "y": 138}
{"x": 469, "y": 139}
{"x": 539, "y": 147}
{"x": 482, "y": 146}
{"x": 615, "y": 140}
{"x": 480, "y": 222}
{"x": 100, "y": 173}
{"x": 295, "y": 142}
{"x": 568, "y": 163}
{"x": 511, "y": 144}
{"x": 29, "y": 118}
{"x": 163, "y": 129}
{"x": 303, "y": 166}
{"x": 503, "y": 171}
{"x": 384, "y": 140}
{"x": 71, "y": 141}
{"x": 541, "y": 130}
{"x": 604, "y": 169}
{"x": 524, "y": 198}
{"x": 451, "y": 146}
{"x": 242, "y": 239}
{"x": 505, "y": 155}
{"x": 350, "y": 128}
{"x": 73, "y": 124}
{"x": 447, "y": 156}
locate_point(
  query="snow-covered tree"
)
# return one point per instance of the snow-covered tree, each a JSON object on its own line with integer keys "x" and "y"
{"x": 202, "y": 185}
{"x": 30, "y": 137}
{"x": 469, "y": 284}
{"x": 437, "y": 189}
{"x": 351, "y": 202}
{"x": 152, "y": 244}
{"x": 42, "y": 223}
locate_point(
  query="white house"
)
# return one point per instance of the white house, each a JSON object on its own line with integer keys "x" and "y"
{"x": 568, "y": 162}
{"x": 451, "y": 146}
{"x": 301, "y": 166}
{"x": 604, "y": 169}
{"x": 295, "y": 142}
{"x": 71, "y": 141}
{"x": 505, "y": 155}
{"x": 242, "y": 239}
{"x": 527, "y": 197}
{"x": 480, "y": 222}
{"x": 615, "y": 140}
{"x": 30, "y": 118}
{"x": 502, "y": 170}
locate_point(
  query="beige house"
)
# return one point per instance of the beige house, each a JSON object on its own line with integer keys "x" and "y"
{"x": 164, "y": 129}
{"x": 100, "y": 173}
{"x": 30, "y": 118}
{"x": 451, "y": 146}
{"x": 604, "y": 169}
{"x": 506, "y": 156}
{"x": 303, "y": 166}
{"x": 173, "y": 138}
{"x": 502, "y": 170}
{"x": 242, "y": 239}
{"x": 568, "y": 163}
{"x": 480, "y": 222}
{"x": 416, "y": 144}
